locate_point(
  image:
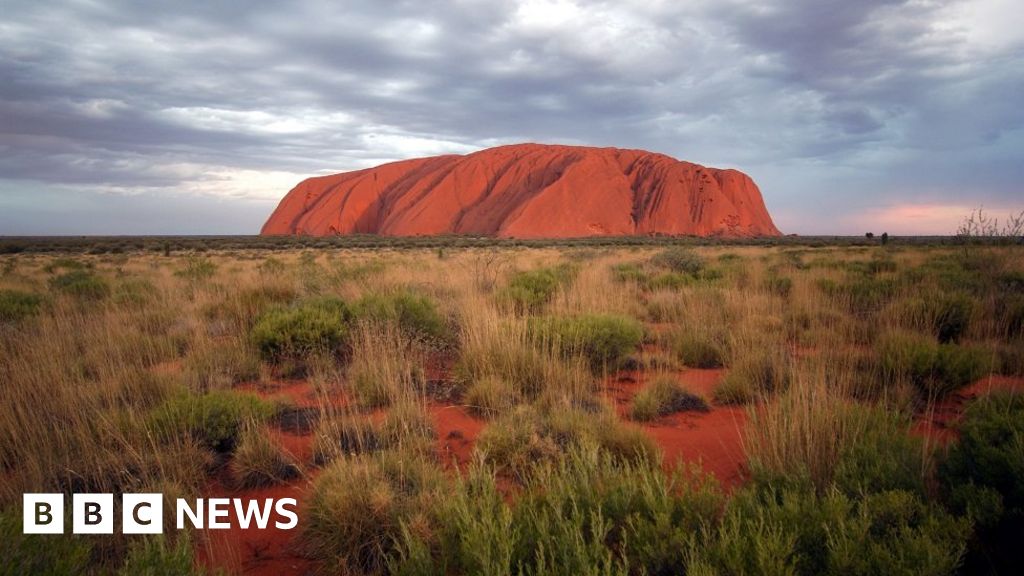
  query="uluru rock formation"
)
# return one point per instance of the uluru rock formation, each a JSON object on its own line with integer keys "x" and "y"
{"x": 528, "y": 191}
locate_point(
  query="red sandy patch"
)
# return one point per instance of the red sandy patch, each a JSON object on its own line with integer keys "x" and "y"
{"x": 268, "y": 552}
{"x": 939, "y": 421}
{"x": 457, "y": 432}
{"x": 713, "y": 440}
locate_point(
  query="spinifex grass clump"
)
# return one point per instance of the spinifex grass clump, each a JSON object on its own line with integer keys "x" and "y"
{"x": 317, "y": 325}
{"x": 663, "y": 396}
{"x": 697, "y": 349}
{"x": 528, "y": 434}
{"x": 360, "y": 507}
{"x": 16, "y": 305}
{"x": 755, "y": 374}
{"x": 934, "y": 369}
{"x": 946, "y": 316}
{"x": 603, "y": 340}
{"x": 414, "y": 314}
{"x": 682, "y": 260}
{"x": 983, "y": 478}
{"x": 214, "y": 419}
{"x": 588, "y": 513}
{"x": 529, "y": 291}
{"x": 260, "y": 461}
{"x": 81, "y": 284}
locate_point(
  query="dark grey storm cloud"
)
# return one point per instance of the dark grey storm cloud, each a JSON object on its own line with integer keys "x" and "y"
{"x": 194, "y": 117}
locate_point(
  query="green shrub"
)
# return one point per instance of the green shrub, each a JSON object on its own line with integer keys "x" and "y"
{"x": 526, "y": 435}
{"x": 990, "y": 452}
{"x": 882, "y": 456}
{"x": 135, "y": 292}
{"x": 935, "y": 369}
{"x": 665, "y": 396}
{"x": 358, "y": 506}
{"x": 679, "y": 259}
{"x": 81, "y": 284}
{"x": 260, "y": 461}
{"x": 417, "y": 315}
{"x": 697, "y": 350}
{"x": 670, "y": 281}
{"x": 314, "y": 326}
{"x": 604, "y": 340}
{"x": 214, "y": 419}
{"x": 197, "y": 269}
{"x": 862, "y": 295}
{"x": 946, "y": 317}
{"x": 529, "y": 291}
{"x": 791, "y": 530}
{"x": 753, "y": 375}
{"x": 16, "y": 305}
{"x": 160, "y": 556}
{"x": 490, "y": 396}
{"x": 778, "y": 285}
{"x": 22, "y": 554}
{"x": 587, "y": 513}
{"x": 630, "y": 272}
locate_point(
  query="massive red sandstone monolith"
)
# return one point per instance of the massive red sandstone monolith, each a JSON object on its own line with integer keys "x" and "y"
{"x": 528, "y": 191}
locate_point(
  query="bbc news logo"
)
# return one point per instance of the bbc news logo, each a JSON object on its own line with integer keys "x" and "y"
{"x": 144, "y": 513}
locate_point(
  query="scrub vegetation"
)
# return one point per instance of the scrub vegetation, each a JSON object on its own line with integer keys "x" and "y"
{"x": 524, "y": 408}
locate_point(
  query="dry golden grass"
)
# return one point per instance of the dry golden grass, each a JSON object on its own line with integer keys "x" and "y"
{"x": 796, "y": 331}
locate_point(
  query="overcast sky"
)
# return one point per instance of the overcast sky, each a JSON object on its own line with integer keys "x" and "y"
{"x": 180, "y": 117}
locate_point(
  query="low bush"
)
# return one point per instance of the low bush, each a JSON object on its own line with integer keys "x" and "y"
{"x": 862, "y": 295}
{"x": 197, "y": 269}
{"x": 318, "y": 325}
{"x": 698, "y": 350}
{"x": 792, "y": 530}
{"x": 490, "y": 396}
{"x": 589, "y": 513}
{"x": 753, "y": 375}
{"x": 945, "y": 316}
{"x": 16, "y": 305}
{"x": 603, "y": 340}
{"x": 526, "y": 435}
{"x": 161, "y": 556}
{"x": 406, "y": 426}
{"x": 214, "y": 419}
{"x": 778, "y": 285}
{"x": 630, "y": 272}
{"x": 260, "y": 461}
{"x": 529, "y": 291}
{"x": 243, "y": 307}
{"x": 135, "y": 292}
{"x": 679, "y": 259}
{"x": 39, "y": 553}
{"x": 359, "y": 508}
{"x": 935, "y": 369}
{"x": 414, "y": 314}
{"x": 665, "y": 396}
{"x": 983, "y": 473}
{"x": 81, "y": 284}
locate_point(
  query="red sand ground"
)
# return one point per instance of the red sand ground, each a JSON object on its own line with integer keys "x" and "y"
{"x": 712, "y": 440}
{"x": 939, "y": 422}
{"x": 528, "y": 191}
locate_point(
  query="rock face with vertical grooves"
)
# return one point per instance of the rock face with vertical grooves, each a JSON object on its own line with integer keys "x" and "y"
{"x": 528, "y": 191}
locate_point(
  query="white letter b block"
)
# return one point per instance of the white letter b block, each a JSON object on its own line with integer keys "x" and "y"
{"x": 92, "y": 514}
{"x": 43, "y": 514}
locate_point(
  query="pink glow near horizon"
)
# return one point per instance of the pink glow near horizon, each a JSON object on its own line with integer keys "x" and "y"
{"x": 916, "y": 219}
